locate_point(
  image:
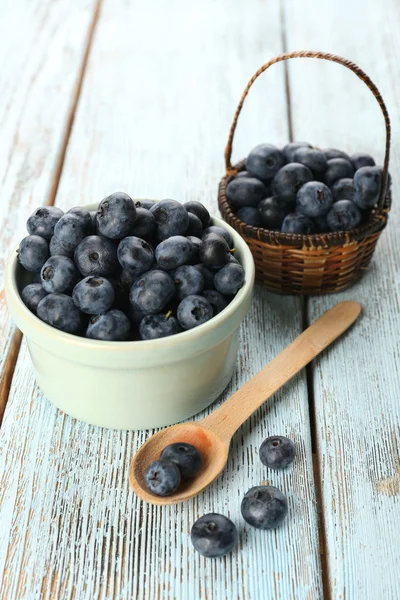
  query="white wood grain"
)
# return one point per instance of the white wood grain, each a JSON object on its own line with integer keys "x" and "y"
{"x": 41, "y": 50}
{"x": 357, "y": 383}
{"x": 162, "y": 84}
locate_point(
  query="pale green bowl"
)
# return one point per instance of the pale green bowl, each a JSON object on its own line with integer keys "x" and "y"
{"x": 134, "y": 385}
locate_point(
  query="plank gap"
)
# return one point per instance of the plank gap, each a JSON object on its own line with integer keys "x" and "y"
{"x": 286, "y": 71}
{"x": 323, "y": 546}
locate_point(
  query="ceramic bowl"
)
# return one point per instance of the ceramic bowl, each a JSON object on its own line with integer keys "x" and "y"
{"x": 134, "y": 385}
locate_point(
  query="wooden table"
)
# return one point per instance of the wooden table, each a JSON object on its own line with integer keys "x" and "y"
{"x": 105, "y": 95}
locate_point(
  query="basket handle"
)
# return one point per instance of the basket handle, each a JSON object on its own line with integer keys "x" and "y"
{"x": 326, "y": 56}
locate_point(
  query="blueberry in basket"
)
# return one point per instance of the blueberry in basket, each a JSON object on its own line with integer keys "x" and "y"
{"x": 131, "y": 270}
{"x": 305, "y": 190}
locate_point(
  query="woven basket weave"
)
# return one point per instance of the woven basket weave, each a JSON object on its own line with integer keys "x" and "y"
{"x": 318, "y": 263}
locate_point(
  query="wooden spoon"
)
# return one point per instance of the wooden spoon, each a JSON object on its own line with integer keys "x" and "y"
{"x": 213, "y": 434}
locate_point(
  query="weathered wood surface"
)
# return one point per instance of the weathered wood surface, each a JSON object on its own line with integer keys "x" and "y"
{"x": 42, "y": 46}
{"x": 356, "y": 388}
{"x": 153, "y": 120}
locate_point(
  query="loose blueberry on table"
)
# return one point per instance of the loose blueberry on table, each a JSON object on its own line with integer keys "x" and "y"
{"x": 277, "y": 452}
{"x": 130, "y": 269}
{"x": 293, "y": 190}
{"x": 214, "y": 535}
{"x": 264, "y": 507}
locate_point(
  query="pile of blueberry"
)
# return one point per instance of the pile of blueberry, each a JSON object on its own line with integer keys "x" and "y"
{"x": 263, "y": 506}
{"x": 302, "y": 189}
{"x": 129, "y": 270}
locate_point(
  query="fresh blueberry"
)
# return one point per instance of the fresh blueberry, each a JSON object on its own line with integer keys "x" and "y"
{"x": 289, "y": 180}
{"x": 321, "y": 224}
{"x": 214, "y": 535}
{"x": 343, "y": 216}
{"x": 171, "y": 217}
{"x": 195, "y": 227}
{"x": 83, "y": 214}
{"x": 32, "y": 294}
{"x": 59, "y": 274}
{"x": 186, "y": 457}
{"x": 229, "y": 279}
{"x": 219, "y": 231}
{"x": 111, "y": 326}
{"x": 272, "y": 213}
{"x": 157, "y": 326}
{"x": 208, "y": 275}
{"x": 264, "y": 161}
{"x": 144, "y": 203}
{"x": 194, "y": 311}
{"x": 314, "y": 199}
{"x": 367, "y": 186}
{"x": 93, "y": 295}
{"x": 245, "y": 191}
{"x": 196, "y": 242}
{"x": 96, "y": 255}
{"x": 188, "y": 281}
{"x": 250, "y": 215}
{"x": 43, "y": 220}
{"x": 196, "y": 208}
{"x": 361, "y": 159}
{"x": 135, "y": 315}
{"x": 277, "y": 452}
{"x": 290, "y": 149}
{"x": 174, "y": 252}
{"x": 116, "y": 216}
{"x": 335, "y": 153}
{"x": 162, "y": 477}
{"x": 312, "y": 158}
{"x": 59, "y": 311}
{"x": 343, "y": 189}
{"x": 33, "y": 252}
{"x": 151, "y": 292}
{"x": 242, "y": 174}
{"x": 264, "y": 507}
{"x": 216, "y": 300}
{"x": 135, "y": 255}
{"x": 338, "y": 168}
{"x": 145, "y": 223}
{"x": 70, "y": 230}
{"x": 214, "y": 251}
{"x": 297, "y": 223}
{"x": 56, "y": 249}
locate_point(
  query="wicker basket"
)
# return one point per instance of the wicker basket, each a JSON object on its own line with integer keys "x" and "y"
{"x": 310, "y": 264}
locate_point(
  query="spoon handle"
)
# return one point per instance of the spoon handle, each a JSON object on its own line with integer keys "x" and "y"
{"x": 229, "y": 417}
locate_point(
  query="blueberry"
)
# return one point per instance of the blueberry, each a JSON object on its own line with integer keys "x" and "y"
{"x": 186, "y": 457}
{"x": 314, "y": 199}
{"x": 297, "y": 223}
{"x": 162, "y": 477}
{"x": 312, "y": 158}
{"x": 214, "y": 535}
{"x": 157, "y": 326}
{"x": 43, "y": 220}
{"x": 343, "y": 216}
{"x": 196, "y": 242}
{"x": 361, "y": 159}
{"x": 335, "y": 153}
{"x": 242, "y": 174}
{"x": 194, "y": 311}
{"x": 174, "y": 252}
{"x": 144, "y": 203}
{"x": 83, "y": 214}
{"x": 272, "y": 213}
{"x": 145, "y": 223}
{"x": 214, "y": 251}
{"x": 264, "y": 161}
{"x": 127, "y": 279}
{"x": 264, "y": 507}
{"x": 32, "y": 294}
{"x": 195, "y": 227}
{"x": 188, "y": 281}
{"x": 96, "y": 255}
{"x": 321, "y": 224}
{"x": 196, "y": 208}
{"x": 59, "y": 311}
{"x": 216, "y": 300}
{"x": 111, "y": 326}
{"x": 367, "y": 186}
{"x": 152, "y": 291}
{"x": 290, "y": 149}
{"x": 219, "y": 231}
{"x": 343, "y": 189}
{"x": 229, "y": 279}
{"x": 56, "y": 248}
{"x": 70, "y": 230}
{"x": 33, "y": 252}
{"x": 208, "y": 275}
{"x": 245, "y": 191}
{"x": 171, "y": 217}
{"x": 93, "y": 295}
{"x": 250, "y": 215}
{"x": 195, "y": 249}
{"x": 135, "y": 315}
{"x": 289, "y": 180}
{"x": 116, "y": 216}
{"x": 59, "y": 274}
{"x": 277, "y": 452}
{"x": 135, "y": 255}
{"x": 338, "y": 168}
